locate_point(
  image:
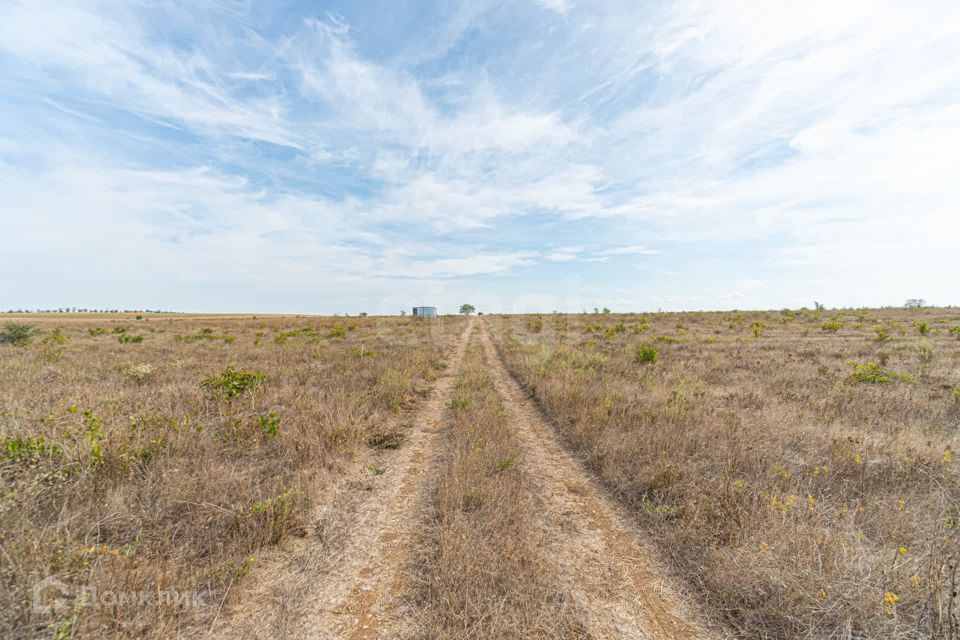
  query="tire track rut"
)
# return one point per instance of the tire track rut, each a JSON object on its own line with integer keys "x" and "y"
{"x": 340, "y": 589}
{"x": 611, "y": 575}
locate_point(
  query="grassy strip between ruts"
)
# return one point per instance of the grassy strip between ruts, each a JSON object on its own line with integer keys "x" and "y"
{"x": 479, "y": 571}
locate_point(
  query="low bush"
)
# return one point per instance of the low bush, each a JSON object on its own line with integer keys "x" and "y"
{"x": 873, "y": 373}
{"x": 17, "y": 334}
{"x": 230, "y": 382}
{"x": 647, "y": 355}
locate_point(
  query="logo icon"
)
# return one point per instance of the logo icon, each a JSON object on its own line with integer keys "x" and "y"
{"x": 51, "y": 595}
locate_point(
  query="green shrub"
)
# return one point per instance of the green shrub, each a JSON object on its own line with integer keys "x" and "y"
{"x": 955, "y": 330}
{"x": 882, "y": 334}
{"x": 56, "y": 337}
{"x": 758, "y": 328}
{"x": 666, "y": 340}
{"x": 873, "y": 373}
{"x": 922, "y": 327}
{"x": 93, "y": 436}
{"x": 29, "y": 449}
{"x": 269, "y": 424}
{"x": 126, "y": 338}
{"x": 647, "y": 355}
{"x": 831, "y": 327}
{"x": 97, "y": 331}
{"x": 615, "y": 329}
{"x": 17, "y": 334}
{"x": 231, "y": 382}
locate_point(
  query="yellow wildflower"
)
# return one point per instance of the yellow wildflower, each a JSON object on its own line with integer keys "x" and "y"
{"x": 890, "y": 601}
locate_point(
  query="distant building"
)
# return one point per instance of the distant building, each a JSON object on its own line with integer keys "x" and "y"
{"x": 424, "y": 312}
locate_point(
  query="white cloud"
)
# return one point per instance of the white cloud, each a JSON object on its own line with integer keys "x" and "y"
{"x": 112, "y": 58}
{"x": 820, "y": 136}
{"x": 562, "y": 7}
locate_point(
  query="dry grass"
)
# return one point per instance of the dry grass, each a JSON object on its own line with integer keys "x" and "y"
{"x": 121, "y": 473}
{"x": 480, "y": 571}
{"x": 796, "y": 498}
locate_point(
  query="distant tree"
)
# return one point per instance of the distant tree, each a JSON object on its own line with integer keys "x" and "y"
{"x": 817, "y": 306}
{"x": 915, "y": 303}
{"x": 403, "y": 312}
{"x": 363, "y": 314}
{"x": 467, "y": 309}
{"x": 605, "y": 310}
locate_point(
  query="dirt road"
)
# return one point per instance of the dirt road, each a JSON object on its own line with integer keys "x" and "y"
{"x": 346, "y": 579}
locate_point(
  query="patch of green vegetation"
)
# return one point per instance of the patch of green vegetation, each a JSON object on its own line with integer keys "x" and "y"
{"x": 615, "y": 330}
{"x": 269, "y": 424}
{"x": 458, "y": 403}
{"x": 647, "y": 355}
{"x": 231, "y": 382}
{"x": 127, "y": 338}
{"x": 831, "y": 327}
{"x": 29, "y": 449}
{"x": 17, "y": 334}
{"x": 205, "y": 334}
{"x": 873, "y": 373}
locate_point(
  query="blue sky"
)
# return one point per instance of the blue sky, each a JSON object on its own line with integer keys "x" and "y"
{"x": 524, "y": 156}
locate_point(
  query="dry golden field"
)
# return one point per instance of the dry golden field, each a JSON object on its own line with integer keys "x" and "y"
{"x": 673, "y": 476}
{"x": 123, "y": 471}
{"x": 797, "y": 471}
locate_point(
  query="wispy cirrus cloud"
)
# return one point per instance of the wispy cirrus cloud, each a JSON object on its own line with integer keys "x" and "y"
{"x": 359, "y": 155}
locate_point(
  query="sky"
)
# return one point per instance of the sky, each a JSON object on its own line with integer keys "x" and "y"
{"x": 529, "y": 155}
